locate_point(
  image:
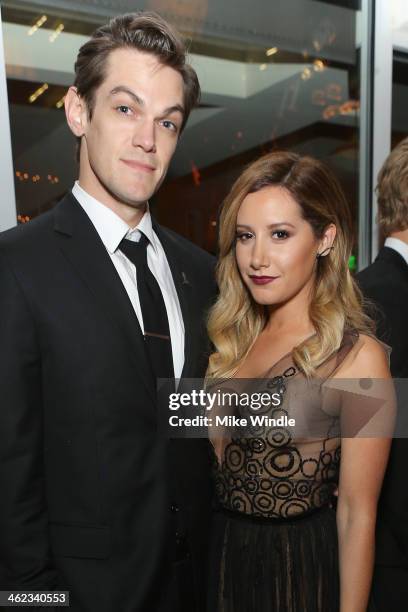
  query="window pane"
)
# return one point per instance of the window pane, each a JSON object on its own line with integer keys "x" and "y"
{"x": 282, "y": 74}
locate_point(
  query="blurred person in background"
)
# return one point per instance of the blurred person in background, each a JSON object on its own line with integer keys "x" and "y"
{"x": 385, "y": 284}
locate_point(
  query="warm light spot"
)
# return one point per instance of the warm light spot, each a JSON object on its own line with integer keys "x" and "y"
{"x": 60, "y": 102}
{"x": 56, "y": 32}
{"x": 38, "y": 92}
{"x": 271, "y": 51}
{"x": 40, "y": 22}
{"x": 330, "y": 111}
{"x": 196, "y": 174}
{"x": 318, "y": 65}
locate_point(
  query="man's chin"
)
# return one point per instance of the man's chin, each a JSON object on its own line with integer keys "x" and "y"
{"x": 135, "y": 199}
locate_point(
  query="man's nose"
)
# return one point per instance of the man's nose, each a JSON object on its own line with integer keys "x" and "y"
{"x": 145, "y": 135}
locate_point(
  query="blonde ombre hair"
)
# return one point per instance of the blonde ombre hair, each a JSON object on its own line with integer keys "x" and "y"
{"x": 236, "y": 320}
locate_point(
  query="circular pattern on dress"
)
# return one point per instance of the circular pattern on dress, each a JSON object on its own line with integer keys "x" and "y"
{"x": 310, "y": 467}
{"x": 326, "y": 458}
{"x": 257, "y": 445}
{"x": 275, "y": 382}
{"x": 270, "y": 471}
{"x": 264, "y": 502}
{"x": 251, "y": 486}
{"x": 254, "y": 467}
{"x": 255, "y": 431}
{"x": 220, "y": 488}
{"x": 282, "y": 489}
{"x": 278, "y": 436}
{"x": 240, "y": 502}
{"x": 293, "y": 507}
{"x": 266, "y": 484}
{"x": 234, "y": 457}
{"x": 303, "y": 488}
{"x": 231, "y": 481}
{"x": 279, "y": 412}
{"x": 282, "y": 462}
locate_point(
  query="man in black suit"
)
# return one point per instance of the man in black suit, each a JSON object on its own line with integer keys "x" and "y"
{"x": 385, "y": 283}
{"x": 93, "y": 499}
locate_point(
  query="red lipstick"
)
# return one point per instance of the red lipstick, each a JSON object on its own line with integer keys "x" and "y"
{"x": 262, "y": 280}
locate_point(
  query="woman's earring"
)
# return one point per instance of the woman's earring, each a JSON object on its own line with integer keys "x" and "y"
{"x": 324, "y": 253}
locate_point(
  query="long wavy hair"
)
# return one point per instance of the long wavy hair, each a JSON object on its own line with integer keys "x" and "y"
{"x": 236, "y": 320}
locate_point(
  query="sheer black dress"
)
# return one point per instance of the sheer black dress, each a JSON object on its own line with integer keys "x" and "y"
{"x": 274, "y": 545}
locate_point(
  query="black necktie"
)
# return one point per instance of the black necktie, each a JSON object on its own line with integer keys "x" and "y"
{"x": 155, "y": 321}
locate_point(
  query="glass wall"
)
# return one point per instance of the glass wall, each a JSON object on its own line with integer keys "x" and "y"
{"x": 399, "y": 121}
{"x": 282, "y": 74}
{"x": 399, "y": 97}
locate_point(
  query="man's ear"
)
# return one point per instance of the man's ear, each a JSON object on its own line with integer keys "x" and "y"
{"x": 75, "y": 112}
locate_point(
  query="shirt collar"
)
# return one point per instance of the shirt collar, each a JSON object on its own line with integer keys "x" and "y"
{"x": 110, "y": 227}
{"x": 398, "y": 245}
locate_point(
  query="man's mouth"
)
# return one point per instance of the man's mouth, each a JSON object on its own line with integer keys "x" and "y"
{"x": 137, "y": 165}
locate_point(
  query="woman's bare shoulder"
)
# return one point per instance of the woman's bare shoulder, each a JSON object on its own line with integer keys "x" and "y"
{"x": 369, "y": 358}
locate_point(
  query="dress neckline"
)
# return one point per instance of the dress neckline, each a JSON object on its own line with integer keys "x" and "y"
{"x": 264, "y": 374}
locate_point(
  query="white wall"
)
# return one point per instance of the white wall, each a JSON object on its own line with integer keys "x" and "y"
{"x": 8, "y": 216}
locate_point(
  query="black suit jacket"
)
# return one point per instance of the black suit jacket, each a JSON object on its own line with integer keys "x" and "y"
{"x": 93, "y": 499}
{"x": 385, "y": 283}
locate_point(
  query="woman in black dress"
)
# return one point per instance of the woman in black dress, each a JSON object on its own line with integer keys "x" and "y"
{"x": 289, "y": 321}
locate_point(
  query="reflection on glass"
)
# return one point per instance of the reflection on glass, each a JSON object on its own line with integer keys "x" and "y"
{"x": 286, "y": 76}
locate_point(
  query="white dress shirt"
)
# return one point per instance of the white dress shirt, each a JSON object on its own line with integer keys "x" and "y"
{"x": 398, "y": 245}
{"x": 112, "y": 229}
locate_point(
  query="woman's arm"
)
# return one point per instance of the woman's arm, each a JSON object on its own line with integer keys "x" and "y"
{"x": 362, "y": 467}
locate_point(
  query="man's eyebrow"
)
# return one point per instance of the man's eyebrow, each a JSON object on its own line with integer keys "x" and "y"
{"x": 176, "y": 108}
{"x": 129, "y": 92}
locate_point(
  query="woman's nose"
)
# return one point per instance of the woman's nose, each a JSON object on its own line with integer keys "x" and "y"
{"x": 259, "y": 255}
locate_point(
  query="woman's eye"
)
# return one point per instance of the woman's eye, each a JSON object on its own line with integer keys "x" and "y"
{"x": 244, "y": 236}
{"x": 280, "y": 234}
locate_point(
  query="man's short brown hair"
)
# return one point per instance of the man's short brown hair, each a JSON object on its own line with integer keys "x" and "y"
{"x": 143, "y": 31}
{"x": 392, "y": 191}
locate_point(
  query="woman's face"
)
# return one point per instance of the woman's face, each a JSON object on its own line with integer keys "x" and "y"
{"x": 275, "y": 247}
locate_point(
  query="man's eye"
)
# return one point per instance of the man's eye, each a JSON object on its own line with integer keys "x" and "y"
{"x": 243, "y": 236}
{"x": 169, "y": 125}
{"x": 281, "y": 234}
{"x": 123, "y": 109}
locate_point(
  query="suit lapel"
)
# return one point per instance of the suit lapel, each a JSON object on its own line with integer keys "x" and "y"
{"x": 184, "y": 284}
{"x": 83, "y": 248}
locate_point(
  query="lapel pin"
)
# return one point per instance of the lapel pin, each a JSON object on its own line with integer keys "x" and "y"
{"x": 185, "y": 279}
